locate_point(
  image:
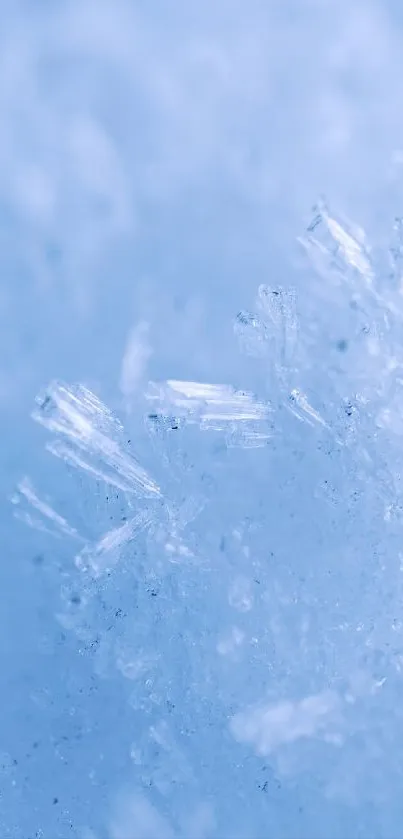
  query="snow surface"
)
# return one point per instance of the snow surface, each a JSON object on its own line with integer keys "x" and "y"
{"x": 202, "y": 414}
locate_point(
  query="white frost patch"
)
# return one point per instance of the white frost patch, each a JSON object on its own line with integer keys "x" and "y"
{"x": 240, "y": 595}
{"x": 269, "y": 727}
{"x": 136, "y": 818}
{"x": 135, "y": 665}
{"x": 177, "y": 550}
{"x": 201, "y": 823}
{"x": 230, "y": 642}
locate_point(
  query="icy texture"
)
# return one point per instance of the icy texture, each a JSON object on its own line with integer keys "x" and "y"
{"x": 338, "y": 248}
{"x": 104, "y": 555}
{"x": 230, "y": 608}
{"x": 210, "y": 405}
{"x": 48, "y": 519}
{"x": 222, "y": 657}
{"x": 270, "y": 727}
{"x": 300, "y": 407}
{"x": 94, "y": 437}
{"x": 272, "y": 332}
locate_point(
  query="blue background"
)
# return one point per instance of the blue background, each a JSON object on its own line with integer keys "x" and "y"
{"x": 158, "y": 162}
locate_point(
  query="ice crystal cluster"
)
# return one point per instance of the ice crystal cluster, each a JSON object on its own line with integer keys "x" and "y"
{"x": 231, "y": 573}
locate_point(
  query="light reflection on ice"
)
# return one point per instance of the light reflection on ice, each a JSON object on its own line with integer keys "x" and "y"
{"x": 212, "y": 633}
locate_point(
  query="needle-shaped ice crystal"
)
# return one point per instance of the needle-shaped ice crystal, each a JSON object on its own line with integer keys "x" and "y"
{"x": 48, "y": 520}
{"x": 209, "y": 405}
{"x": 301, "y": 408}
{"x": 91, "y": 437}
{"x": 105, "y": 554}
{"x": 336, "y": 247}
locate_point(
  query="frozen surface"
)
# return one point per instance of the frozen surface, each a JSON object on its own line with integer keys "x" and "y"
{"x": 201, "y": 391}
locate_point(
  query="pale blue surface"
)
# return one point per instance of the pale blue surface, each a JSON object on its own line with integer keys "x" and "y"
{"x": 157, "y": 163}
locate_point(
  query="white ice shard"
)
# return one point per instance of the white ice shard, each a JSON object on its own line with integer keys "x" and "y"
{"x": 336, "y": 247}
{"x": 104, "y": 554}
{"x": 91, "y": 437}
{"x": 209, "y": 405}
{"x": 48, "y": 520}
{"x": 300, "y": 407}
